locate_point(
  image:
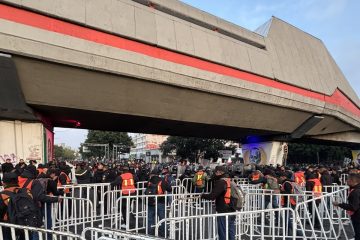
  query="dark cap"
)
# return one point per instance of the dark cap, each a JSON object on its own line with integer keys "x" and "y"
{"x": 10, "y": 178}
{"x": 220, "y": 169}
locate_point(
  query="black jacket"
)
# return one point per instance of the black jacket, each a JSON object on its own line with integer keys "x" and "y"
{"x": 218, "y": 194}
{"x": 7, "y": 167}
{"x": 353, "y": 203}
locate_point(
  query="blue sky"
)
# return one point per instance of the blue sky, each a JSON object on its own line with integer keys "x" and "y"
{"x": 335, "y": 22}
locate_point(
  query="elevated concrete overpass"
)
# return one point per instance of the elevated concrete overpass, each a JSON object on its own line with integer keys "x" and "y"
{"x": 163, "y": 66}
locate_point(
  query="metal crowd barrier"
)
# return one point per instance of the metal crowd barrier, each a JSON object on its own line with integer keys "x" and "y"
{"x": 103, "y": 234}
{"x": 343, "y": 178}
{"x": 70, "y": 215}
{"x": 14, "y": 232}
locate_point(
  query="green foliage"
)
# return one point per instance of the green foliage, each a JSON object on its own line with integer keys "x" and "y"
{"x": 64, "y": 153}
{"x": 190, "y": 147}
{"x": 106, "y": 137}
{"x": 311, "y": 153}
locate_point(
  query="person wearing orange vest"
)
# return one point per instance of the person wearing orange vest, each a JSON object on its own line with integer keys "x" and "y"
{"x": 256, "y": 177}
{"x": 287, "y": 188}
{"x": 299, "y": 178}
{"x": 221, "y": 193}
{"x": 313, "y": 184}
{"x": 353, "y": 205}
{"x": 127, "y": 182}
{"x": 26, "y": 179}
{"x": 41, "y": 171}
{"x": 156, "y": 206}
{"x": 200, "y": 179}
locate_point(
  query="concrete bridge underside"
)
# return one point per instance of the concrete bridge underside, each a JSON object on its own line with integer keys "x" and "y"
{"x": 182, "y": 79}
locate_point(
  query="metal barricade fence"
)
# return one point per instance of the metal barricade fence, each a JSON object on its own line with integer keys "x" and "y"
{"x": 103, "y": 234}
{"x": 12, "y": 232}
{"x": 343, "y": 178}
{"x": 70, "y": 215}
{"x": 313, "y": 218}
{"x": 205, "y": 226}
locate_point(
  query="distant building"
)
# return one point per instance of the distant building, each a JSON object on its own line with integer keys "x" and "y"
{"x": 147, "y": 146}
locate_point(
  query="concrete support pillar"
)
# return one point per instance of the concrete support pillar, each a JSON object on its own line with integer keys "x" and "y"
{"x": 356, "y": 157}
{"x": 264, "y": 153}
{"x": 24, "y": 140}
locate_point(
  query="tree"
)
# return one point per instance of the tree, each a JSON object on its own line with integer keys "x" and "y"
{"x": 190, "y": 147}
{"x": 311, "y": 153}
{"x": 106, "y": 137}
{"x": 64, "y": 153}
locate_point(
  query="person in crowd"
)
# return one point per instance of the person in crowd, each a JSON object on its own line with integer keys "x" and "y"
{"x": 156, "y": 204}
{"x": 7, "y": 166}
{"x": 221, "y": 193}
{"x": 83, "y": 174}
{"x": 256, "y": 177}
{"x": 20, "y": 166}
{"x": 200, "y": 179}
{"x": 313, "y": 184}
{"x": 127, "y": 183}
{"x": 353, "y": 205}
{"x": 41, "y": 171}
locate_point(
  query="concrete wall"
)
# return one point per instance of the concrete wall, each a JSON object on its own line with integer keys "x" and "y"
{"x": 21, "y": 140}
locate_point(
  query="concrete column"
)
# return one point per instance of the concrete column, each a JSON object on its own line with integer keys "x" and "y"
{"x": 21, "y": 140}
{"x": 263, "y": 153}
{"x": 356, "y": 157}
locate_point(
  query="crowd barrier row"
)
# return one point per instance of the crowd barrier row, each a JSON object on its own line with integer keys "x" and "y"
{"x": 89, "y": 210}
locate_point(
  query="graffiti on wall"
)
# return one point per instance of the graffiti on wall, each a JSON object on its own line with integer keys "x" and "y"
{"x": 35, "y": 152}
{"x": 12, "y": 156}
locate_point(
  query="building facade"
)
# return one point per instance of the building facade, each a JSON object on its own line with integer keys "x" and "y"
{"x": 147, "y": 146}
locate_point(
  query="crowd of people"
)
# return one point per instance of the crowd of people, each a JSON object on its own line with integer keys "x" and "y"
{"x": 41, "y": 184}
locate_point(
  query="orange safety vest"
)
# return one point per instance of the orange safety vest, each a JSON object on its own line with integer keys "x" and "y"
{"x": 128, "y": 185}
{"x": 255, "y": 177}
{"x": 228, "y": 191}
{"x": 199, "y": 178}
{"x": 299, "y": 178}
{"x": 22, "y": 182}
{"x": 6, "y": 200}
{"x": 159, "y": 189}
{"x": 292, "y": 199}
{"x": 317, "y": 189}
{"x": 68, "y": 181}
{"x": 41, "y": 170}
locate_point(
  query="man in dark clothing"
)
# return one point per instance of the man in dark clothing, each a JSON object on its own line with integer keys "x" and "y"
{"x": 326, "y": 180}
{"x": 220, "y": 189}
{"x": 32, "y": 167}
{"x": 99, "y": 174}
{"x": 20, "y": 166}
{"x": 7, "y": 166}
{"x": 83, "y": 174}
{"x": 353, "y": 205}
{"x": 156, "y": 207}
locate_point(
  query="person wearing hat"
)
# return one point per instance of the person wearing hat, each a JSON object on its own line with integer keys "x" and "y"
{"x": 10, "y": 183}
{"x": 221, "y": 193}
{"x": 7, "y": 166}
{"x": 200, "y": 179}
{"x": 127, "y": 182}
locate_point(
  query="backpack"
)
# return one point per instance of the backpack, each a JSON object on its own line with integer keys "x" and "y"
{"x": 297, "y": 190}
{"x": 237, "y": 198}
{"x": 22, "y": 209}
{"x": 152, "y": 189}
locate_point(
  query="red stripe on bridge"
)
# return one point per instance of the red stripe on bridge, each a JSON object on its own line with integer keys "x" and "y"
{"x": 54, "y": 25}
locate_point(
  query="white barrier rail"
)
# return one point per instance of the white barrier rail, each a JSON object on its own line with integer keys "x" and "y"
{"x": 14, "y": 232}
{"x": 103, "y": 234}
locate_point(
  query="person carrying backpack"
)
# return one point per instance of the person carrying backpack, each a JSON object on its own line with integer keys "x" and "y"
{"x": 17, "y": 206}
{"x": 200, "y": 180}
{"x": 156, "y": 205}
{"x": 221, "y": 193}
